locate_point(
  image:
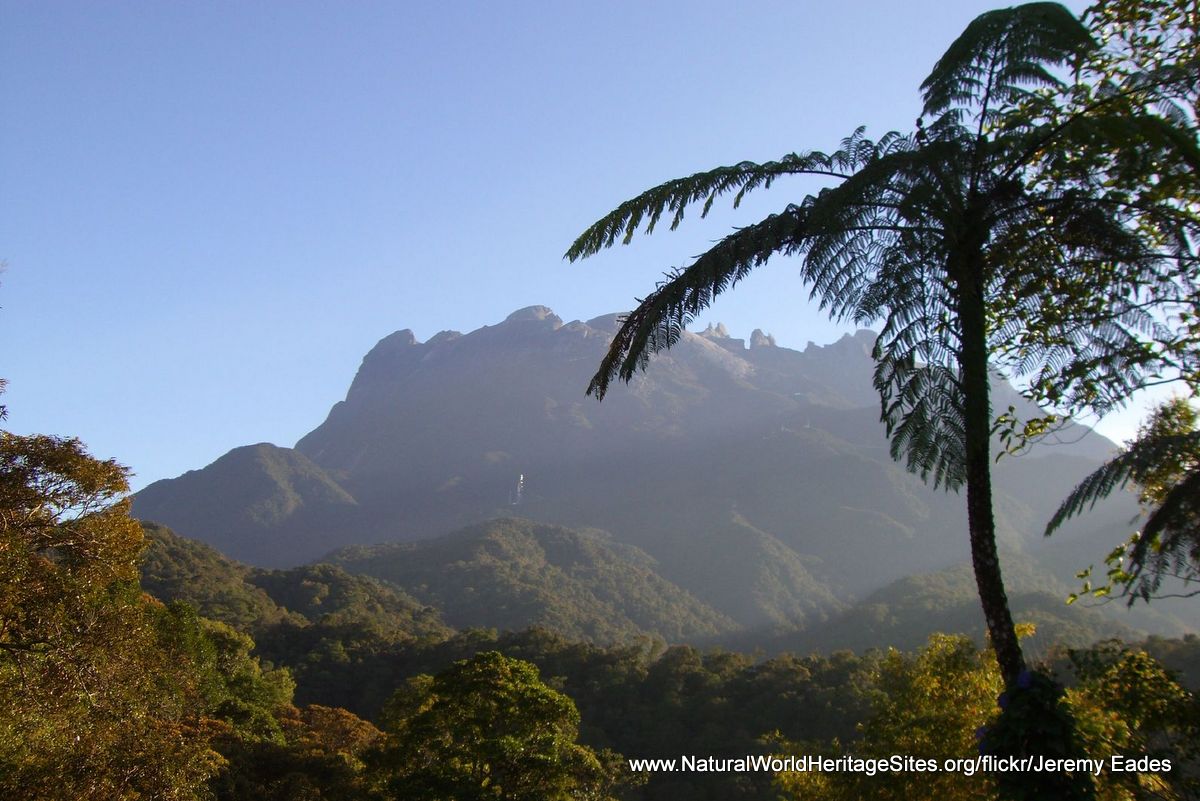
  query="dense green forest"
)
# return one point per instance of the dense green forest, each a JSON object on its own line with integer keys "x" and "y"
{"x": 510, "y": 574}
{"x": 642, "y": 697}
{"x": 138, "y": 663}
{"x": 316, "y": 683}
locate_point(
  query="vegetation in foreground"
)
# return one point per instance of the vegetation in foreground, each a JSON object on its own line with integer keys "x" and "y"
{"x": 107, "y": 692}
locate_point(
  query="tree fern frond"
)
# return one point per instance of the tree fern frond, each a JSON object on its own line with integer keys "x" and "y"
{"x": 1002, "y": 51}
{"x": 922, "y": 410}
{"x": 1130, "y": 465}
{"x": 659, "y": 320}
{"x": 1173, "y": 521}
{"x": 675, "y": 196}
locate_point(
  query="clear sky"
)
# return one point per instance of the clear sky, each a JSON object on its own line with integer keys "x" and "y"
{"x": 210, "y": 211}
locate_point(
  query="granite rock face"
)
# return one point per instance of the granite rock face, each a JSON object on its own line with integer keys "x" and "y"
{"x": 756, "y": 477}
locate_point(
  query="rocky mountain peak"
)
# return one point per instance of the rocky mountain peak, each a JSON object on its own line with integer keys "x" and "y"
{"x": 397, "y": 339}
{"x": 533, "y": 313}
{"x": 715, "y": 331}
{"x": 760, "y": 340}
{"x": 438, "y": 435}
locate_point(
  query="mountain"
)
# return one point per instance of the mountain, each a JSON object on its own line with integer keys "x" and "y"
{"x": 264, "y": 602}
{"x": 251, "y": 501}
{"x": 757, "y": 478}
{"x": 512, "y": 574}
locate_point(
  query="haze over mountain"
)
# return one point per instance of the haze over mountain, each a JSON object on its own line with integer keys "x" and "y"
{"x": 756, "y": 478}
{"x": 512, "y": 574}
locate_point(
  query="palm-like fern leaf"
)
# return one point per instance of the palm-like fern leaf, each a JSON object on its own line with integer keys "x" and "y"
{"x": 963, "y": 251}
{"x": 1131, "y": 465}
{"x": 660, "y": 319}
{"x": 922, "y": 409}
{"x": 1178, "y": 508}
{"x": 675, "y": 196}
{"x": 1000, "y": 54}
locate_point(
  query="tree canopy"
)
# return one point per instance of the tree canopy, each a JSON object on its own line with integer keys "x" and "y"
{"x": 488, "y": 728}
{"x": 94, "y": 703}
{"x": 1145, "y": 78}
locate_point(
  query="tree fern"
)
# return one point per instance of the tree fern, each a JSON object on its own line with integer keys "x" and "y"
{"x": 947, "y": 241}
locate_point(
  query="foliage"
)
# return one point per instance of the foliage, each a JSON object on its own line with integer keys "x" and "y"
{"x": 927, "y": 706}
{"x": 1126, "y": 703}
{"x": 269, "y": 748}
{"x": 339, "y": 625}
{"x": 244, "y": 693}
{"x": 96, "y": 702}
{"x": 488, "y": 728}
{"x": 1139, "y": 87}
{"x": 177, "y": 569}
{"x": 320, "y": 755}
{"x": 646, "y": 700}
{"x": 1152, "y": 46}
{"x": 1141, "y": 82}
{"x": 940, "y": 702}
{"x": 1164, "y": 463}
{"x": 106, "y": 693}
{"x": 262, "y": 602}
{"x": 640, "y": 699}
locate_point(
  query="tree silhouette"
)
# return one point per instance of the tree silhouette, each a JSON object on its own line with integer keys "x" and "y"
{"x": 947, "y": 238}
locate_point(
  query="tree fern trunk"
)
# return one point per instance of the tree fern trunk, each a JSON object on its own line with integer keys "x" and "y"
{"x": 977, "y": 422}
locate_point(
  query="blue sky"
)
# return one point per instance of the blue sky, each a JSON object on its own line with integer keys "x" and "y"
{"x": 211, "y": 211}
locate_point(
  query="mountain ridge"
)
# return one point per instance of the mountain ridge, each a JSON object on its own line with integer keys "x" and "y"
{"x": 742, "y": 469}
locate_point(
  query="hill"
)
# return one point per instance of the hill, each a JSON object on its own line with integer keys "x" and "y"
{"x": 261, "y": 602}
{"x": 254, "y": 499}
{"x": 905, "y": 613}
{"x": 175, "y": 568}
{"x": 513, "y": 574}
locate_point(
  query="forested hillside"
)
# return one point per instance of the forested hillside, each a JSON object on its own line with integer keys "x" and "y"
{"x": 323, "y": 683}
{"x": 178, "y": 569}
{"x": 647, "y": 699}
{"x": 512, "y": 574}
